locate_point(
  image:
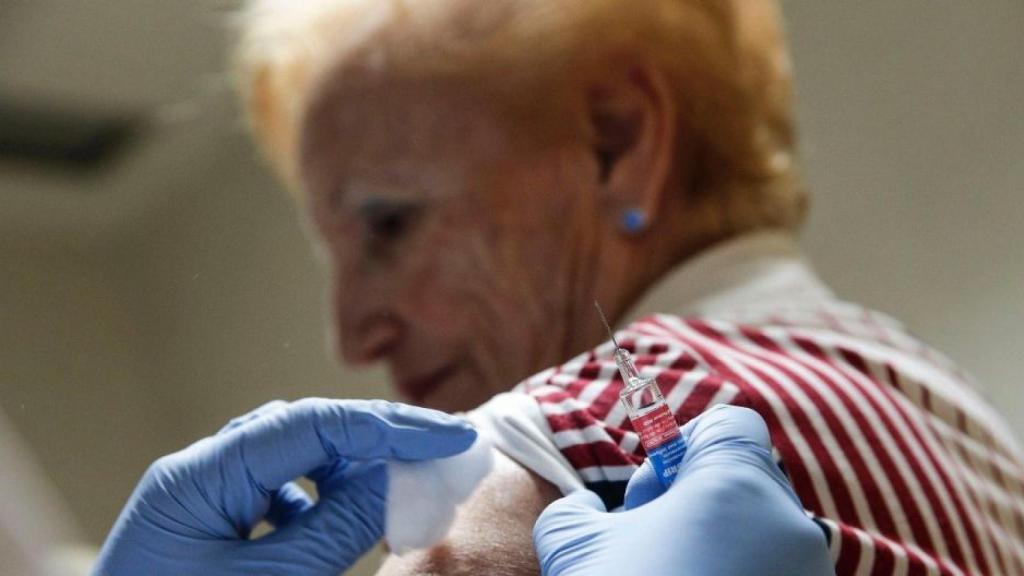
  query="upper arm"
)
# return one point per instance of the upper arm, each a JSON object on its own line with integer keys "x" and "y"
{"x": 492, "y": 532}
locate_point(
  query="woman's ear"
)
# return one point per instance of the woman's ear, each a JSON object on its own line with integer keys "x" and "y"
{"x": 633, "y": 122}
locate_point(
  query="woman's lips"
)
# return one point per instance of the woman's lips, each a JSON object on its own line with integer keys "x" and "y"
{"x": 420, "y": 387}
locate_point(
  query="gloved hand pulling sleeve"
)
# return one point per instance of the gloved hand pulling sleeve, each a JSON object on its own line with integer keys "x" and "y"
{"x": 192, "y": 512}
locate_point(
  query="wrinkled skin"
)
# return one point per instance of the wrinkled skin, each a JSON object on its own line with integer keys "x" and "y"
{"x": 458, "y": 254}
{"x": 467, "y": 248}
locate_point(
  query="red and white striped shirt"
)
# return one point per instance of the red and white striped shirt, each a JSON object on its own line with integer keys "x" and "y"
{"x": 885, "y": 441}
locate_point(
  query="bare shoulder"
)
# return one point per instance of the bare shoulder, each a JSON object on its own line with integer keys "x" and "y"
{"x": 493, "y": 531}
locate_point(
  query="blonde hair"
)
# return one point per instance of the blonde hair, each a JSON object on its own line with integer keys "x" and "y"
{"x": 726, "y": 61}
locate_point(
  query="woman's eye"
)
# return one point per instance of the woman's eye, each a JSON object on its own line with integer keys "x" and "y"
{"x": 387, "y": 221}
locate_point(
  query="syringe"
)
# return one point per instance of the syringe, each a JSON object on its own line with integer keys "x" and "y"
{"x": 651, "y": 417}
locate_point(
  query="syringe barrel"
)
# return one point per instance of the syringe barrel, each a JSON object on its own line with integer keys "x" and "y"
{"x": 654, "y": 423}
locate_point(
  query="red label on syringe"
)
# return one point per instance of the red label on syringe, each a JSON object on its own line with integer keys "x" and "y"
{"x": 656, "y": 427}
{"x": 662, "y": 441}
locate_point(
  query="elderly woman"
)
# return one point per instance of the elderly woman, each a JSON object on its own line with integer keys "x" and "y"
{"x": 479, "y": 172}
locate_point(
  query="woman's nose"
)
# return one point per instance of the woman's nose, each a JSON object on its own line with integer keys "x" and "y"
{"x": 366, "y": 328}
{"x": 366, "y": 339}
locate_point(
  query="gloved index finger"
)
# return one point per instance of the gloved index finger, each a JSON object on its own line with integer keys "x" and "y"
{"x": 313, "y": 432}
{"x": 734, "y": 437}
{"x": 725, "y": 423}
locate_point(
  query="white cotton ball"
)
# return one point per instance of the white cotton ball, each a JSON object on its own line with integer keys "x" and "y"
{"x": 423, "y": 496}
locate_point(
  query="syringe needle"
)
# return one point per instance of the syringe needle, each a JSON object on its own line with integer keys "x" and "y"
{"x": 605, "y": 321}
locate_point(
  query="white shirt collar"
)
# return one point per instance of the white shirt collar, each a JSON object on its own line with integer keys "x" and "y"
{"x": 754, "y": 269}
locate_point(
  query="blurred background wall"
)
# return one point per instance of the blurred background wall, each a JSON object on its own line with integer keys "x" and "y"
{"x": 145, "y": 302}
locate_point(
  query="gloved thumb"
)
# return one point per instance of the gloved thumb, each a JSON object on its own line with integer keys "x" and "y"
{"x": 644, "y": 486}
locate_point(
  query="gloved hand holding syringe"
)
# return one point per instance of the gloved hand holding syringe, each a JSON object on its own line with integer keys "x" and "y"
{"x": 709, "y": 501}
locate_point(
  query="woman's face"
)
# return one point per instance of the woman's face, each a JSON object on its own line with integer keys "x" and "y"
{"x": 459, "y": 254}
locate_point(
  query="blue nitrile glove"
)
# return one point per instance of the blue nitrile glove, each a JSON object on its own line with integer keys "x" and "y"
{"x": 730, "y": 512}
{"x": 192, "y": 512}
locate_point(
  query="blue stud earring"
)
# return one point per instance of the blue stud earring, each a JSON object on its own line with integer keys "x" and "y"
{"x": 634, "y": 221}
